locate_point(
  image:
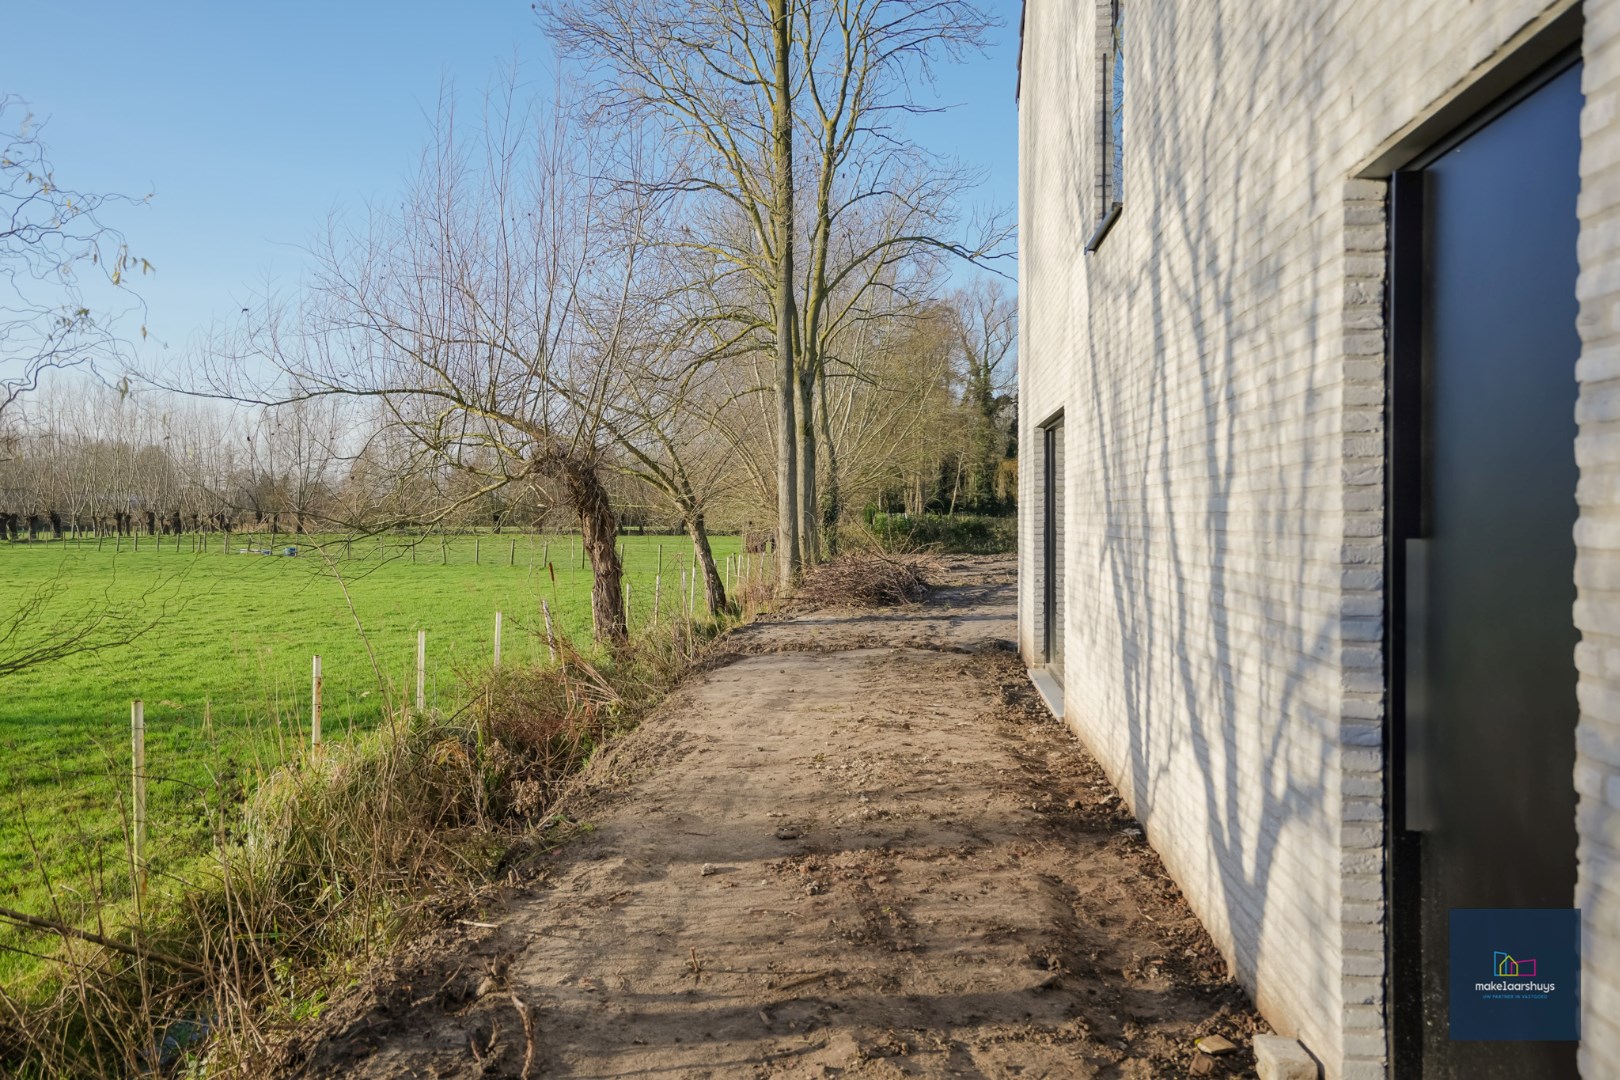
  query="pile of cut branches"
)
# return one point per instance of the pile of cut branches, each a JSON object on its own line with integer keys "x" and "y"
{"x": 869, "y": 580}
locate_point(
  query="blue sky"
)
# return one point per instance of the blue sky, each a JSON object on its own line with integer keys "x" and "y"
{"x": 251, "y": 124}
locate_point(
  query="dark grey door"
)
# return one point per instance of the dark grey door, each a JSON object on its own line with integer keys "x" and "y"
{"x": 1491, "y": 704}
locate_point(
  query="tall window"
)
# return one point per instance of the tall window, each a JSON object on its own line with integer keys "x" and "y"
{"x": 1116, "y": 109}
{"x": 1110, "y": 117}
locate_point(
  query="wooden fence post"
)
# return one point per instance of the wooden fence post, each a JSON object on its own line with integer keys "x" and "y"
{"x": 658, "y": 596}
{"x": 421, "y": 670}
{"x": 478, "y": 547}
{"x": 315, "y": 702}
{"x": 137, "y": 734}
{"x": 627, "y": 607}
{"x": 511, "y": 559}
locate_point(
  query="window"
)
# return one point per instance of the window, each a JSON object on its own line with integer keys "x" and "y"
{"x": 1110, "y": 119}
{"x": 1116, "y": 111}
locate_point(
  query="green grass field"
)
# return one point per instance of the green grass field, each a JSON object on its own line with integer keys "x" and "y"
{"x": 225, "y": 679}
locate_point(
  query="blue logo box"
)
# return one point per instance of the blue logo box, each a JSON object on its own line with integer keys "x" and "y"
{"x": 1515, "y": 974}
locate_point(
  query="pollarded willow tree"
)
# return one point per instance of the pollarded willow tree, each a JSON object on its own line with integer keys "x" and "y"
{"x": 486, "y": 321}
{"x": 785, "y": 119}
{"x": 669, "y": 411}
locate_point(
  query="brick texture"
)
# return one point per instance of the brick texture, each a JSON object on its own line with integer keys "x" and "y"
{"x": 1597, "y": 538}
{"x": 1219, "y": 362}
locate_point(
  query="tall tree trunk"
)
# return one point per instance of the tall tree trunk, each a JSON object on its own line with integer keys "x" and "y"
{"x": 714, "y": 589}
{"x": 832, "y": 500}
{"x": 787, "y": 495}
{"x": 809, "y": 501}
{"x": 599, "y": 532}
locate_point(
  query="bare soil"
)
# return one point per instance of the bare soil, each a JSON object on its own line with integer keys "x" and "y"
{"x": 858, "y": 846}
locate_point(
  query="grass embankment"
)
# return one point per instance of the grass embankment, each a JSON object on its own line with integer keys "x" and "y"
{"x": 225, "y": 678}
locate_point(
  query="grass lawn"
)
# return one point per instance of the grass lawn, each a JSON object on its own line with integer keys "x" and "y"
{"x": 226, "y": 681}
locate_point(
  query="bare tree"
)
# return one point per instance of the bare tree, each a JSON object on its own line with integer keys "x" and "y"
{"x": 667, "y": 412}
{"x": 52, "y": 239}
{"x": 484, "y": 319}
{"x": 742, "y": 90}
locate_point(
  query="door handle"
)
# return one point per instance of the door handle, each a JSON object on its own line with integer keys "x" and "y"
{"x": 1419, "y": 815}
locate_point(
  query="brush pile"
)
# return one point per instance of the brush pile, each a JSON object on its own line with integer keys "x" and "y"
{"x": 869, "y": 580}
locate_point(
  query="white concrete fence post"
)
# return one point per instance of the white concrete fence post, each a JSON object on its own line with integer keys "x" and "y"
{"x": 315, "y": 702}
{"x": 421, "y": 670}
{"x": 137, "y": 736}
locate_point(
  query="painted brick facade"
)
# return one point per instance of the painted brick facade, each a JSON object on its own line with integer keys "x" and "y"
{"x": 1597, "y": 537}
{"x": 1219, "y": 362}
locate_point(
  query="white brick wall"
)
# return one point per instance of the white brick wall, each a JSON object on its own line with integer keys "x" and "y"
{"x": 1597, "y": 538}
{"x": 1219, "y": 362}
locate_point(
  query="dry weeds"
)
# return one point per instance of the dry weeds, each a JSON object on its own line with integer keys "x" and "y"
{"x": 869, "y": 580}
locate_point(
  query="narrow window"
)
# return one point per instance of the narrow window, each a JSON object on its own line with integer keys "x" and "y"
{"x": 1116, "y": 110}
{"x": 1110, "y": 118}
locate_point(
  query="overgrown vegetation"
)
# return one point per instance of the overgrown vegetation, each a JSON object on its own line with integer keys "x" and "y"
{"x": 960, "y": 534}
{"x": 336, "y": 856}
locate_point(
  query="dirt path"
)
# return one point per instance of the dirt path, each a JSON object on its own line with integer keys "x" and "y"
{"x": 860, "y": 848}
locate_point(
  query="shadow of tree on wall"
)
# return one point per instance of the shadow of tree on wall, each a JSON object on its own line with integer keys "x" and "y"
{"x": 1199, "y": 521}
